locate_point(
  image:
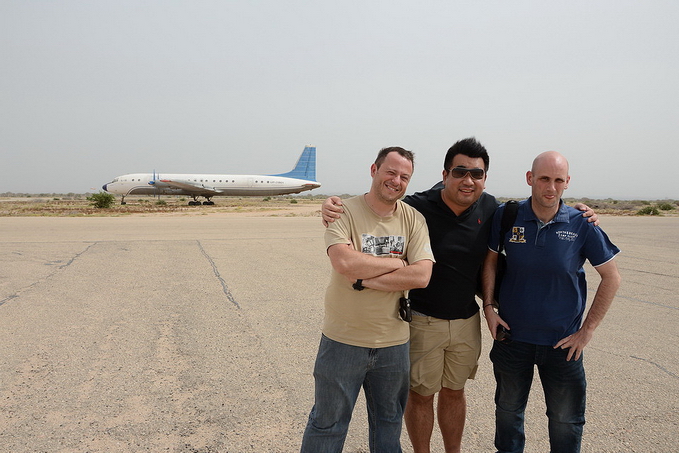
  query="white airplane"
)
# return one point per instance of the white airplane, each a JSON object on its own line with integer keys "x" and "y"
{"x": 299, "y": 179}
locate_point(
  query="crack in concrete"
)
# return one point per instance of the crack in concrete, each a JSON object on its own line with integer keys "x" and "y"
{"x": 225, "y": 287}
{"x": 47, "y": 277}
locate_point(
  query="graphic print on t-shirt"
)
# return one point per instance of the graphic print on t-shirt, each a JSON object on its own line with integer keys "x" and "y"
{"x": 382, "y": 245}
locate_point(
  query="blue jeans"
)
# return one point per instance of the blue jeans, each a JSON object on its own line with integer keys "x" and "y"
{"x": 563, "y": 383}
{"x": 340, "y": 371}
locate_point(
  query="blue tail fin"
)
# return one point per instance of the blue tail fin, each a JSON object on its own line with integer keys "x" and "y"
{"x": 305, "y": 167}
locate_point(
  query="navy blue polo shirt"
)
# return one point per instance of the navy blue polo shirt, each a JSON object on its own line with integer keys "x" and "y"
{"x": 460, "y": 244}
{"x": 544, "y": 293}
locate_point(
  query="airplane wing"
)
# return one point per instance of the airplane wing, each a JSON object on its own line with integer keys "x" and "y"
{"x": 189, "y": 186}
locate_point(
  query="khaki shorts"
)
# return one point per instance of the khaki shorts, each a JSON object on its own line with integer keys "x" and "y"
{"x": 443, "y": 353}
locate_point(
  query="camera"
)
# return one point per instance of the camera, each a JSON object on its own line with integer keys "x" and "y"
{"x": 404, "y": 309}
{"x": 503, "y": 334}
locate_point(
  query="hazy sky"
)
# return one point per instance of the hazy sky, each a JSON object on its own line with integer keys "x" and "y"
{"x": 90, "y": 90}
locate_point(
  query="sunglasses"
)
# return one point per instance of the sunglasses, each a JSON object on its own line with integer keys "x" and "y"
{"x": 461, "y": 172}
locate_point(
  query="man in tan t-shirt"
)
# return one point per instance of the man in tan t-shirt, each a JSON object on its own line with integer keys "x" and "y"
{"x": 379, "y": 248}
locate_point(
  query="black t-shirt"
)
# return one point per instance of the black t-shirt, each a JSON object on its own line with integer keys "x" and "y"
{"x": 460, "y": 244}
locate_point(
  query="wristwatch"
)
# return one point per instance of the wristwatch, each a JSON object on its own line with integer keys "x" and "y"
{"x": 358, "y": 286}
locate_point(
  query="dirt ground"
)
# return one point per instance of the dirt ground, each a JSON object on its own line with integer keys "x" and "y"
{"x": 174, "y": 332}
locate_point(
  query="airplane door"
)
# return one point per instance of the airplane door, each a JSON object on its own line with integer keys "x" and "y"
{"x": 251, "y": 182}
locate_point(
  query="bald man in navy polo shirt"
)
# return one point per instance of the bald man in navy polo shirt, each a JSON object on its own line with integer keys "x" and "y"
{"x": 542, "y": 303}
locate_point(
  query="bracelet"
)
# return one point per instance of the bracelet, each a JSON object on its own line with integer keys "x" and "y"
{"x": 488, "y": 305}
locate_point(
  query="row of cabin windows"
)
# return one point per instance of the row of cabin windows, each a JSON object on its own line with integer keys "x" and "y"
{"x": 195, "y": 180}
{"x": 214, "y": 180}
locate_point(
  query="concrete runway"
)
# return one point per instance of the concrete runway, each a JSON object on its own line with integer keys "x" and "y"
{"x": 198, "y": 334}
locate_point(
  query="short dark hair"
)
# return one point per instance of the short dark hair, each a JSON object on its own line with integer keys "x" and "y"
{"x": 394, "y": 149}
{"x": 469, "y": 147}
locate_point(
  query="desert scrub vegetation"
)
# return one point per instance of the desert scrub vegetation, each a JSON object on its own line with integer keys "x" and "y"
{"x": 55, "y": 206}
{"x": 611, "y": 206}
{"x": 102, "y": 200}
{"x": 655, "y": 209}
{"x": 71, "y": 205}
{"x": 648, "y": 210}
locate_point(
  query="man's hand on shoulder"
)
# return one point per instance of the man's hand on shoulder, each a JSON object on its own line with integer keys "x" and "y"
{"x": 588, "y": 213}
{"x": 331, "y": 210}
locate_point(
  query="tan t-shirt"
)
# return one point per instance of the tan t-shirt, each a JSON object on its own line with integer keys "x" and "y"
{"x": 369, "y": 318}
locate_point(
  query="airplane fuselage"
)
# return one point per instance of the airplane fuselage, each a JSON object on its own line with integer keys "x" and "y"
{"x": 224, "y": 185}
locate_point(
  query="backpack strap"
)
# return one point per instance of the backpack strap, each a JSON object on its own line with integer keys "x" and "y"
{"x": 508, "y": 218}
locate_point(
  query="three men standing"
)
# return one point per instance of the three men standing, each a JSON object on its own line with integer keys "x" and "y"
{"x": 445, "y": 332}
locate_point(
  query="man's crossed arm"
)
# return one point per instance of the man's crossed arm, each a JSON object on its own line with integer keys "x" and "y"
{"x": 382, "y": 274}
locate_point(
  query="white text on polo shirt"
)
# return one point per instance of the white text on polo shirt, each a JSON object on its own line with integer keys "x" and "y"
{"x": 567, "y": 235}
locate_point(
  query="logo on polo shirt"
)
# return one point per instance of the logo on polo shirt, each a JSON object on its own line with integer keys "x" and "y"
{"x": 570, "y": 236}
{"x": 517, "y": 235}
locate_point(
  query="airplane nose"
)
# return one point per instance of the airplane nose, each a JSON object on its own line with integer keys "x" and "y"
{"x": 104, "y": 187}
